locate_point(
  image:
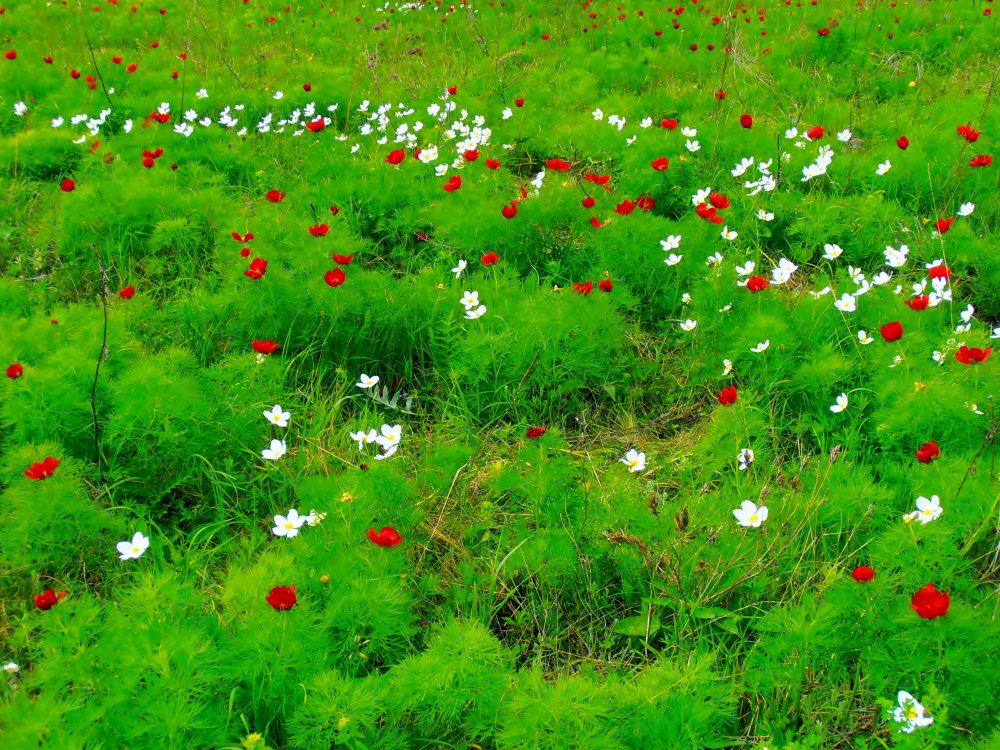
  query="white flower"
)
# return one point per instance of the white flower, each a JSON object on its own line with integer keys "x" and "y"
{"x": 289, "y": 525}
{"x": 747, "y": 269}
{"x": 539, "y": 179}
{"x": 692, "y": 146}
{"x": 201, "y": 93}
{"x": 864, "y": 338}
{"x": 470, "y": 299}
{"x": 20, "y": 108}
{"x": 965, "y": 209}
{"x": 276, "y": 451}
{"x": 388, "y": 452}
{"x": 833, "y": 251}
{"x": 133, "y": 550}
{"x": 821, "y": 293}
{"x": 765, "y": 215}
{"x": 457, "y": 270}
{"x": 364, "y": 437}
{"x": 507, "y": 113}
{"x": 713, "y": 260}
{"x": 57, "y": 122}
{"x": 846, "y": 303}
{"x": 476, "y": 313}
{"x": 729, "y": 234}
{"x": 391, "y": 435}
{"x": 314, "y": 518}
{"x": 689, "y": 325}
{"x": 883, "y": 167}
{"x": 429, "y": 154}
{"x": 279, "y": 94}
{"x": 927, "y": 510}
{"x": 761, "y": 346}
{"x": 967, "y": 313}
{"x": 844, "y": 136}
{"x": 910, "y": 713}
{"x": 881, "y": 278}
{"x": 996, "y": 333}
{"x": 276, "y": 416}
{"x": 646, "y": 122}
{"x": 792, "y": 133}
{"x": 749, "y": 515}
{"x": 688, "y": 132}
{"x": 11, "y": 668}
{"x": 745, "y": 458}
{"x": 367, "y": 381}
{"x": 673, "y": 259}
{"x": 783, "y": 272}
{"x": 686, "y": 299}
{"x": 634, "y": 460}
{"x": 672, "y": 242}
{"x": 701, "y": 196}
{"x": 727, "y": 366}
{"x": 840, "y": 405}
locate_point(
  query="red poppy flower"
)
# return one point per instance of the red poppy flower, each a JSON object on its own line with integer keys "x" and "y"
{"x": 862, "y": 574}
{"x": 242, "y": 237}
{"x": 519, "y": 102}
{"x": 605, "y": 285}
{"x": 939, "y": 272}
{"x": 595, "y": 222}
{"x": 625, "y": 208}
{"x": 718, "y": 200}
{"x": 471, "y": 155}
{"x": 314, "y": 126}
{"x": 274, "y": 196}
{"x": 343, "y": 260}
{"x": 660, "y": 163}
{"x": 645, "y": 202}
{"x": 943, "y": 225}
{"x": 387, "y": 537}
{"x": 336, "y": 277}
{"x": 928, "y": 452}
{"x": 265, "y": 347}
{"x": 536, "y": 432}
{"x": 972, "y": 355}
{"x": 67, "y": 185}
{"x": 588, "y": 202}
{"x": 583, "y": 287}
{"x": 545, "y": 37}
{"x": 48, "y": 599}
{"x": 116, "y": 60}
{"x": 15, "y": 371}
{"x": 823, "y": 32}
{"x": 756, "y": 283}
{"x": 489, "y": 259}
{"x": 509, "y": 211}
{"x": 918, "y": 303}
{"x": 127, "y": 293}
{"x": 334, "y": 210}
{"x": 148, "y": 162}
{"x": 245, "y": 252}
{"x": 131, "y": 68}
{"x": 42, "y": 469}
{"x": 903, "y": 142}
{"x": 258, "y": 266}
{"x": 307, "y": 87}
{"x": 396, "y": 157}
{"x": 892, "y": 331}
{"x": 453, "y": 184}
{"x": 721, "y": 94}
{"x": 968, "y": 133}
{"x": 816, "y": 131}
{"x": 74, "y": 74}
{"x": 282, "y": 597}
{"x": 669, "y": 123}
{"x": 47, "y": 60}
{"x": 728, "y": 395}
{"x": 10, "y": 54}
{"x": 558, "y": 165}
{"x": 319, "y": 230}
{"x": 492, "y": 164}
{"x": 453, "y": 90}
{"x": 981, "y": 161}
{"x": 708, "y": 213}
{"x": 929, "y": 603}
{"x": 746, "y": 121}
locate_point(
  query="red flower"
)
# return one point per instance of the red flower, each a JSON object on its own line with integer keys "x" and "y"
{"x": 10, "y": 54}
{"x": 917, "y": 303}
{"x": 282, "y": 597}
{"x": 471, "y": 155}
{"x": 605, "y": 285}
{"x": 336, "y": 277}
{"x": 969, "y": 355}
{"x": 928, "y": 452}
{"x": 746, "y": 121}
{"x": 930, "y": 603}
{"x": 74, "y": 74}
{"x": 969, "y": 134}
{"x": 728, "y": 395}
{"x": 242, "y": 237}
{"x": 245, "y": 252}
{"x": 48, "y": 599}
{"x": 307, "y": 87}
{"x": 257, "y": 268}
{"x": 47, "y": 60}
{"x": 274, "y": 196}
{"x": 265, "y": 347}
{"x": 127, "y": 293}
{"x": 116, "y": 60}
{"x": 15, "y": 371}
{"x": 595, "y": 222}
{"x": 625, "y": 207}
{"x": 489, "y": 259}
{"x": 148, "y": 162}
{"x": 645, "y": 202}
{"x": 43, "y": 469}
{"x": 319, "y": 230}
{"x": 316, "y": 125}
{"x": 519, "y": 102}
{"x": 558, "y": 165}
{"x": 387, "y": 537}
{"x": 721, "y": 94}
{"x": 343, "y": 260}
{"x": 892, "y": 331}
{"x": 756, "y": 283}
{"x": 719, "y": 201}
{"x": 453, "y": 184}
{"x": 862, "y": 574}
{"x": 583, "y": 288}
{"x": 816, "y": 131}
{"x": 131, "y": 68}
{"x": 660, "y": 163}
{"x": 981, "y": 161}
{"x": 492, "y": 164}
{"x": 334, "y": 210}
{"x": 545, "y": 37}
{"x": 943, "y": 225}
{"x": 903, "y": 142}
{"x": 67, "y": 185}
{"x": 453, "y": 90}
{"x": 939, "y": 272}
{"x": 669, "y": 123}
{"x": 396, "y": 157}
{"x": 708, "y": 213}
{"x": 509, "y": 211}
{"x": 588, "y": 202}
{"x": 536, "y": 432}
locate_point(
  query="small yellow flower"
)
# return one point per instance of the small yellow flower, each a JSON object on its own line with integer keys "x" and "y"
{"x": 343, "y": 722}
{"x": 253, "y": 740}
{"x": 913, "y": 84}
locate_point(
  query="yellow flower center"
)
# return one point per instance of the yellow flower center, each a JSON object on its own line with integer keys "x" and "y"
{"x": 911, "y": 714}
{"x": 753, "y": 518}
{"x": 289, "y": 525}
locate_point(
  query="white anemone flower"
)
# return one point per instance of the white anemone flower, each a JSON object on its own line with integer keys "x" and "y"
{"x": 840, "y": 405}
{"x": 276, "y": 416}
{"x": 289, "y": 525}
{"x": 391, "y": 435}
{"x": 749, "y": 515}
{"x": 133, "y": 550}
{"x": 745, "y": 458}
{"x": 364, "y": 438}
{"x": 457, "y": 270}
{"x": 761, "y": 346}
{"x": 910, "y": 714}
{"x": 277, "y": 450}
{"x": 634, "y": 460}
{"x": 367, "y": 381}
{"x": 689, "y": 325}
